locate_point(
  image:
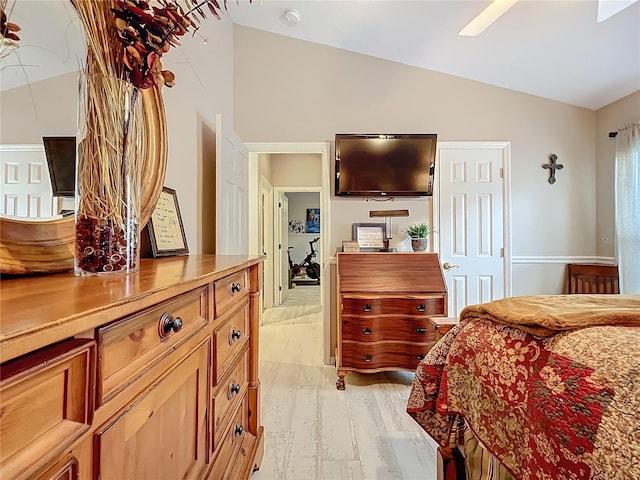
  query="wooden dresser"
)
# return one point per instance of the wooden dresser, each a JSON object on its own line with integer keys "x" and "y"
{"x": 148, "y": 376}
{"x": 384, "y": 304}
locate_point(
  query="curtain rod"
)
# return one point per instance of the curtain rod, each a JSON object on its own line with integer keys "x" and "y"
{"x": 615, "y": 134}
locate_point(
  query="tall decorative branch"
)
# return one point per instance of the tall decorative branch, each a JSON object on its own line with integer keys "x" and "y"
{"x": 139, "y": 33}
{"x": 8, "y": 31}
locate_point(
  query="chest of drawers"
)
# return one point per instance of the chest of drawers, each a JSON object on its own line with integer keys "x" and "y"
{"x": 385, "y": 301}
{"x": 150, "y": 375}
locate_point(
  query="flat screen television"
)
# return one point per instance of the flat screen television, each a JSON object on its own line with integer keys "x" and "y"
{"x": 385, "y": 165}
{"x": 61, "y": 159}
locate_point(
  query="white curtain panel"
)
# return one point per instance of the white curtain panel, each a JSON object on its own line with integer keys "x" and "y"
{"x": 627, "y": 186}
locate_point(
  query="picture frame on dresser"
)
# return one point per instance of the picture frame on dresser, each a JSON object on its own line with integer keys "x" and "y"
{"x": 166, "y": 233}
{"x": 369, "y": 236}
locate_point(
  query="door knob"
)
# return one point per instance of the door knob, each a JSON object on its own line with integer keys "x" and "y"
{"x": 448, "y": 266}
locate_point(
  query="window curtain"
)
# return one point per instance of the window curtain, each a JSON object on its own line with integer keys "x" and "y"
{"x": 627, "y": 205}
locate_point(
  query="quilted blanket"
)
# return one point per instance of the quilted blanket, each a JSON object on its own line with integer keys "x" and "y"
{"x": 545, "y": 315}
{"x": 564, "y": 406}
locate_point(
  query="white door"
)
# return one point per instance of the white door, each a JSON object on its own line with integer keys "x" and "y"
{"x": 232, "y": 197}
{"x": 267, "y": 234}
{"x": 25, "y": 181}
{"x": 283, "y": 246}
{"x": 472, "y": 222}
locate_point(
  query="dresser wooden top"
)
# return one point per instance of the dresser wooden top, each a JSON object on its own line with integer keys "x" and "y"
{"x": 38, "y": 311}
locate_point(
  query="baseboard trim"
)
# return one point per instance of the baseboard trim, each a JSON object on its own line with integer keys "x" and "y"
{"x": 523, "y": 260}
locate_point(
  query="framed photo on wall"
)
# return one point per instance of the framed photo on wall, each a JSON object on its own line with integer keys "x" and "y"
{"x": 313, "y": 220}
{"x": 166, "y": 232}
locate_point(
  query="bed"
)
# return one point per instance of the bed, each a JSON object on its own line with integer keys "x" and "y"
{"x": 536, "y": 388}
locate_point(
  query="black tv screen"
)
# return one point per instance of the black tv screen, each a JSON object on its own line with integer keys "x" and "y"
{"x": 391, "y": 165}
{"x": 61, "y": 159}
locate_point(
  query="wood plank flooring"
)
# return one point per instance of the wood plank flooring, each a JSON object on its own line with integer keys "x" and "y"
{"x": 314, "y": 431}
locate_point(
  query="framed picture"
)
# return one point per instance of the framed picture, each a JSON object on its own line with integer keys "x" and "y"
{"x": 370, "y": 236}
{"x": 166, "y": 232}
{"x": 313, "y": 220}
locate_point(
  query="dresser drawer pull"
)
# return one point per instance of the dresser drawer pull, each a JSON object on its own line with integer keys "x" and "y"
{"x": 421, "y": 307}
{"x": 234, "y": 388}
{"x": 238, "y": 431}
{"x": 421, "y": 329}
{"x": 367, "y": 331}
{"x": 235, "y": 288}
{"x": 234, "y": 335}
{"x": 421, "y": 356}
{"x": 366, "y": 358}
{"x": 168, "y": 323}
{"x": 366, "y": 307}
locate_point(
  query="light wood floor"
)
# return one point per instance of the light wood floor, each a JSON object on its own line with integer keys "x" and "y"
{"x": 312, "y": 430}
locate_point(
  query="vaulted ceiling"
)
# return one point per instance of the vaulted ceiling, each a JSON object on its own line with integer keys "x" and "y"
{"x": 553, "y": 49}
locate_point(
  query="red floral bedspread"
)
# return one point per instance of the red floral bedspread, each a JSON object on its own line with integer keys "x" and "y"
{"x": 560, "y": 407}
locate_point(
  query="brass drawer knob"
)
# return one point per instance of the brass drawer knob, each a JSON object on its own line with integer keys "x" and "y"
{"x": 367, "y": 358}
{"x": 366, "y": 307}
{"x": 421, "y": 307}
{"x": 168, "y": 323}
{"x": 367, "y": 331}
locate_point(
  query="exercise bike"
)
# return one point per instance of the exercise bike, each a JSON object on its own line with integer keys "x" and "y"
{"x": 312, "y": 268}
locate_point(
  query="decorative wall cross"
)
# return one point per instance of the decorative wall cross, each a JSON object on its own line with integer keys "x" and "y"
{"x": 552, "y": 166}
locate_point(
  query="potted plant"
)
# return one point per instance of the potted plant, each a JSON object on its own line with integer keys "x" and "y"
{"x": 418, "y": 233}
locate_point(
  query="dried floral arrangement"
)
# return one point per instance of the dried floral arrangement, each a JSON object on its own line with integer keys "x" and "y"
{"x": 125, "y": 42}
{"x": 139, "y": 33}
{"x": 8, "y": 36}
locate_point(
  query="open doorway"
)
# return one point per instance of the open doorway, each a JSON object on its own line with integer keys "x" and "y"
{"x": 288, "y": 168}
{"x": 303, "y": 238}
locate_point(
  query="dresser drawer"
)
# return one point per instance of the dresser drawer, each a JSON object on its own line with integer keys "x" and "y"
{"x": 161, "y": 434}
{"x": 224, "y": 467}
{"x": 363, "y": 328}
{"x": 384, "y": 355}
{"x": 406, "y": 305}
{"x": 46, "y": 404}
{"x": 130, "y": 347}
{"x": 229, "y": 290}
{"x": 65, "y": 469}
{"x": 229, "y": 338}
{"x": 228, "y": 393}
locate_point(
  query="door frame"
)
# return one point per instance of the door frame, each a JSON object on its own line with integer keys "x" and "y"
{"x": 506, "y": 197}
{"x": 280, "y": 246}
{"x": 323, "y": 149}
{"x": 284, "y": 190}
{"x": 266, "y": 233}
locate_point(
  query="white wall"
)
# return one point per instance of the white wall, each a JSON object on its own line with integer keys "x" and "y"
{"x": 296, "y": 170}
{"x": 343, "y": 92}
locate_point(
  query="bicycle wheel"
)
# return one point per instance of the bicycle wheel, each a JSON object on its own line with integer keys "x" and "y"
{"x": 313, "y": 271}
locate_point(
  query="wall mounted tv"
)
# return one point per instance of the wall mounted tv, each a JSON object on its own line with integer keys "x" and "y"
{"x": 385, "y": 165}
{"x": 61, "y": 159}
